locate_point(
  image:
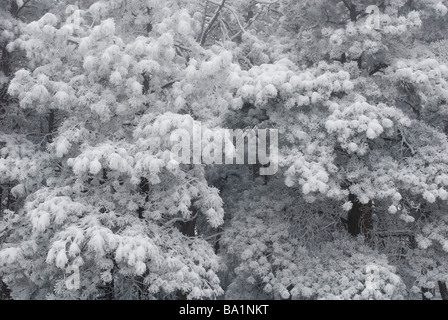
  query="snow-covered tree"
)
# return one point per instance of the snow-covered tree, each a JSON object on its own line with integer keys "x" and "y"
{"x": 357, "y": 89}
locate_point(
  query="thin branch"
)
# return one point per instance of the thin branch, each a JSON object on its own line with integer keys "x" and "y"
{"x": 249, "y": 23}
{"x": 172, "y": 221}
{"x": 204, "y": 18}
{"x": 212, "y": 22}
{"x": 180, "y": 46}
{"x": 348, "y": 4}
{"x": 236, "y": 17}
{"x": 225, "y": 34}
{"x": 233, "y": 12}
{"x": 405, "y": 141}
{"x": 20, "y": 9}
{"x": 266, "y": 1}
{"x": 227, "y": 25}
{"x": 414, "y": 108}
{"x": 166, "y": 85}
{"x": 74, "y": 40}
{"x": 213, "y": 236}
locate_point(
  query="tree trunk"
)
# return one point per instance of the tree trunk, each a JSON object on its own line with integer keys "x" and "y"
{"x": 109, "y": 287}
{"x": 11, "y": 200}
{"x": 188, "y": 229}
{"x": 443, "y": 290}
{"x": 425, "y": 290}
{"x": 5, "y": 293}
{"x": 142, "y": 287}
{"x": 14, "y": 10}
{"x": 359, "y": 219}
{"x": 144, "y": 190}
{"x": 353, "y": 13}
{"x": 352, "y": 9}
{"x": 1, "y": 199}
{"x": 51, "y": 126}
{"x": 6, "y": 67}
{"x": 217, "y": 245}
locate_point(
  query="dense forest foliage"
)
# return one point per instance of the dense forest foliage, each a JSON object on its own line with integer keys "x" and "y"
{"x": 94, "y": 206}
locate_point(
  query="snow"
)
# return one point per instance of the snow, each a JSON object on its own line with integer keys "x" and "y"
{"x": 82, "y": 199}
{"x": 441, "y": 9}
{"x": 62, "y": 147}
{"x": 61, "y": 259}
{"x": 95, "y": 167}
{"x": 48, "y": 19}
{"x": 347, "y": 206}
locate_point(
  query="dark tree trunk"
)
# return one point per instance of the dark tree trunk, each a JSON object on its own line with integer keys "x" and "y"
{"x": 11, "y": 200}
{"x": 144, "y": 190}
{"x": 425, "y": 290}
{"x": 443, "y": 290}
{"x": 1, "y": 199}
{"x": 142, "y": 287}
{"x": 217, "y": 245}
{"x": 352, "y": 9}
{"x": 14, "y": 8}
{"x": 353, "y": 13}
{"x": 359, "y": 219}
{"x": 5, "y": 293}
{"x": 51, "y": 126}
{"x": 6, "y": 63}
{"x": 109, "y": 287}
{"x": 188, "y": 229}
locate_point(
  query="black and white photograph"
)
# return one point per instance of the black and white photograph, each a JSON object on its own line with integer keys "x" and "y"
{"x": 223, "y": 154}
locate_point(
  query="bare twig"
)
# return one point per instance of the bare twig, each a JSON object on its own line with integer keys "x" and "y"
{"x": 249, "y": 23}
{"x": 203, "y": 22}
{"x": 266, "y": 1}
{"x": 172, "y": 221}
{"x": 404, "y": 141}
{"x": 212, "y": 22}
{"x": 414, "y": 108}
{"x": 213, "y": 236}
{"x": 236, "y": 17}
{"x": 225, "y": 34}
{"x": 20, "y": 9}
{"x": 166, "y": 85}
